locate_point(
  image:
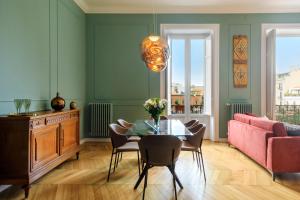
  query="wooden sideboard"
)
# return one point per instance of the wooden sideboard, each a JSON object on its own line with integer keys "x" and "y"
{"x": 31, "y": 146}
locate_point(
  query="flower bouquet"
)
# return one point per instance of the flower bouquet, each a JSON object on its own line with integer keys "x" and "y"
{"x": 155, "y": 107}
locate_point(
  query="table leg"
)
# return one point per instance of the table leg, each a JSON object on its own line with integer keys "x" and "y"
{"x": 141, "y": 176}
{"x": 176, "y": 177}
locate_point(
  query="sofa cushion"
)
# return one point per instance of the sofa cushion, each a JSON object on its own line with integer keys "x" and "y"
{"x": 292, "y": 129}
{"x": 277, "y": 128}
{"x": 243, "y": 118}
{"x": 293, "y": 133}
{"x": 251, "y": 114}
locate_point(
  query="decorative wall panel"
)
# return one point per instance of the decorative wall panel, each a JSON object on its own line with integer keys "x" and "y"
{"x": 240, "y": 61}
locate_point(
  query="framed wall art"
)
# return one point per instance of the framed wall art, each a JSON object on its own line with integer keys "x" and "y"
{"x": 240, "y": 61}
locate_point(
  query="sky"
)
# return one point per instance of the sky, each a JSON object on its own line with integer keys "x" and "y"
{"x": 287, "y": 53}
{"x": 197, "y": 61}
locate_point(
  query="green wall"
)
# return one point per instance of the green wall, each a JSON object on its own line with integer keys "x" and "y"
{"x": 117, "y": 74}
{"x": 37, "y": 37}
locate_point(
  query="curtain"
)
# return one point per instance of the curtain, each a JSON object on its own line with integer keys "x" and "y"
{"x": 271, "y": 74}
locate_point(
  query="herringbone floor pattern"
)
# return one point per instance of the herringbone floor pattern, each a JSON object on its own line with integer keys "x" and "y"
{"x": 230, "y": 175}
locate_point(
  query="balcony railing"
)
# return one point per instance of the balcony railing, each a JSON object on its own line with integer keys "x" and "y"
{"x": 179, "y": 109}
{"x": 288, "y": 113}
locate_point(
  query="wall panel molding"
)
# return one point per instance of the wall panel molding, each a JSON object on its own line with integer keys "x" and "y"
{"x": 114, "y": 68}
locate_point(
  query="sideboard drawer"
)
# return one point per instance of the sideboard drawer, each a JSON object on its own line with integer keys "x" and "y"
{"x": 36, "y": 123}
{"x": 57, "y": 119}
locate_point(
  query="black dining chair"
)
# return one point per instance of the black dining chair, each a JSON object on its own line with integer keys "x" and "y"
{"x": 128, "y": 125}
{"x": 193, "y": 126}
{"x": 194, "y": 144}
{"x": 159, "y": 150}
{"x": 191, "y": 123}
{"x": 120, "y": 144}
{"x": 163, "y": 117}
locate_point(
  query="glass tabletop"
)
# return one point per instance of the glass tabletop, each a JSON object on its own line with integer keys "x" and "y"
{"x": 166, "y": 127}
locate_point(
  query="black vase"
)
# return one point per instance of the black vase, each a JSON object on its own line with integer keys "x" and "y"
{"x": 58, "y": 103}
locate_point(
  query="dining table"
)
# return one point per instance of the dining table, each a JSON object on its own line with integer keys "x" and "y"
{"x": 165, "y": 127}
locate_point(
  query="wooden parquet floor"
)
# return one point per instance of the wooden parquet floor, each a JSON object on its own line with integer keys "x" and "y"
{"x": 230, "y": 175}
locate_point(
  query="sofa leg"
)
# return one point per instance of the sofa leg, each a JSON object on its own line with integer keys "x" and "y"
{"x": 273, "y": 176}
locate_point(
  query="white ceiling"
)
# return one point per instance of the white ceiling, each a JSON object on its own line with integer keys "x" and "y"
{"x": 189, "y": 6}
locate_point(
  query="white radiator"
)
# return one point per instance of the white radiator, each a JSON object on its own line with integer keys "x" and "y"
{"x": 240, "y": 108}
{"x": 101, "y": 117}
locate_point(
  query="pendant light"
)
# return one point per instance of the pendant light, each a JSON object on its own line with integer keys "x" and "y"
{"x": 155, "y": 50}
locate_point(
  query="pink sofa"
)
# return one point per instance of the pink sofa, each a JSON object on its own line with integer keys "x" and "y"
{"x": 266, "y": 142}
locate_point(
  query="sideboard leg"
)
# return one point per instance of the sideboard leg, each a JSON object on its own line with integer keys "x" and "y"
{"x": 77, "y": 155}
{"x": 26, "y": 190}
{"x": 273, "y": 176}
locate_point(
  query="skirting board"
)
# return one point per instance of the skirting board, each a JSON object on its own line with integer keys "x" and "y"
{"x": 225, "y": 140}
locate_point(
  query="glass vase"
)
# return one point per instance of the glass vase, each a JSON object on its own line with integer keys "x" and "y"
{"x": 156, "y": 119}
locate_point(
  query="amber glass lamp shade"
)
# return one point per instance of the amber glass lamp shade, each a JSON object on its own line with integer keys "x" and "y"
{"x": 155, "y": 53}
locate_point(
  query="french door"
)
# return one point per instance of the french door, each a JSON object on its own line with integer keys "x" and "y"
{"x": 189, "y": 78}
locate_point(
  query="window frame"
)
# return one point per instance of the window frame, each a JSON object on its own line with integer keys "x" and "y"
{"x": 214, "y": 31}
{"x": 265, "y": 28}
{"x": 187, "y": 72}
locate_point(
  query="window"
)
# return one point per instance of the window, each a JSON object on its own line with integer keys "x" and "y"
{"x": 187, "y": 70}
{"x": 287, "y": 78}
{"x": 281, "y": 100}
{"x": 195, "y": 49}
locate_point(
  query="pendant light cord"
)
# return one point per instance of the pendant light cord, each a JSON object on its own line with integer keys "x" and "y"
{"x": 156, "y": 24}
{"x": 154, "y": 20}
{"x": 153, "y": 16}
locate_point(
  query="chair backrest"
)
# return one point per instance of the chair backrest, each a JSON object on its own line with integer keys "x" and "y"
{"x": 197, "y": 138}
{"x": 124, "y": 123}
{"x": 116, "y": 134}
{"x": 195, "y": 127}
{"x": 160, "y": 150}
{"x": 191, "y": 123}
{"x": 163, "y": 117}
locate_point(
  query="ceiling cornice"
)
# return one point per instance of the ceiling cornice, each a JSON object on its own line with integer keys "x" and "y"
{"x": 83, "y": 5}
{"x": 182, "y": 9}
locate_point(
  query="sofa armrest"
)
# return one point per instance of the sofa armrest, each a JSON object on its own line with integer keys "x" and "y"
{"x": 256, "y": 143}
{"x": 283, "y": 154}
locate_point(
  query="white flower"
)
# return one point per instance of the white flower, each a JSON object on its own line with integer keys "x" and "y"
{"x": 155, "y": 105}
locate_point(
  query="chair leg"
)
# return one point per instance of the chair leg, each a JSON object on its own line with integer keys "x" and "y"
{"x": 121, "y": 156}
{"x": 174, "y": 182}
{"x": 138, "y": 155}
{"x": 118, "y": 158}
{"x": 197, "y": 158}
{"x": 111, "y": 158}
{"x": 142, "y": 164}
{"x": 116, "y": 155}
{"x": 146, "y": 177}
{"x": 145, "y": 183}
{"x": 141, "y": 177}
{"x": 203, "y": 165}
{"x": 193, "y": 156}
{"x": 197, "y": 152}
{"x": 176, "y": 178}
